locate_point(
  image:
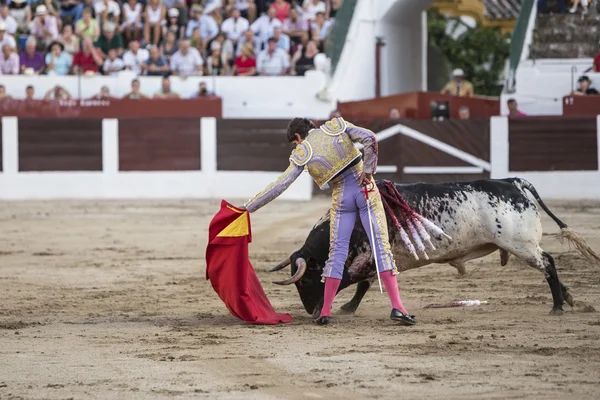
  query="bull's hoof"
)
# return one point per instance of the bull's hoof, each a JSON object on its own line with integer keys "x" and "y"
{"x": 348, "y": 308}
{"x": 556, "y": 312}
{"x": 569, "y": 299}
{"x": 322, "y": 321}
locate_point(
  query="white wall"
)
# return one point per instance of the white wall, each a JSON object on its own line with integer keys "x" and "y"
{"x": 243, "y": 97}
{"x": 113, "y": 184}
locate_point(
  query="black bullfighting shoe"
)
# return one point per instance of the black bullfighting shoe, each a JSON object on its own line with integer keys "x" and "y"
{"x": 404, "y": 319}
{"x": 322, "y": 321}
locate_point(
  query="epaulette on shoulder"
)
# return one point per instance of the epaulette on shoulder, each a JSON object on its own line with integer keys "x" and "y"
{"x": 334, "y": 127}
{"x": 302, "y": 154}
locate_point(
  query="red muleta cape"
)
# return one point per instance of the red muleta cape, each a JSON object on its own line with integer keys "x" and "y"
{"x": 229, "y": 270}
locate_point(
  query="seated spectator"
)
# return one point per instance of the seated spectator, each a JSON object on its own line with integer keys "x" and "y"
{"x": 3, "y": 95}
{"x": 283, "y": 40}
{"x": 103, "y": 95}
{"x": 88, "y": 59}
{"x": 182, "y": 10}
{"x": 333, "y": 7}
{"x": 584, "y": 87}
{"x": 234, "y": 26}
{"x": 10, "y": 23}
{"x": 212, "y": 8}
{"x": 513, "y": 109}
{"x": 51, "y": 5}
{"x": 187, "y": 61}
{"x": 57, "y": 93}
{"x": 110, "y": 39}
{"x": 9, "y": 61}
{"x": 29, "y": 93}
{"x": 156, "y": 65}
{"x": 227, "y": 49}
{"x": 296, "y": 27}
{"x": 207, "y": 25}
{"x": 135, "y": 93}
{"x": 7, "y": 38}
{"x": 320, "y": 28}
{"x": 21, "y": 12}
{"x": 69, "y": 40}
{"x": 196, "y": 41}
{"x": 202, "y": 91}
{"x": 247, "y": 8}
{"x": 394, "y": 115}
{"x": 263, "y": 26}
{"x": 464, "y": 112}
{"x": 249, "y": 37}
{"x": 304, "y": 58}
{"x": 30, "y": 58}
{"x": 312, "y": 8}
{"x": 107, "y": 11}
{"x": 87, "y": 26}
{"x": 281, "y": 8}
{"x": 135, "y": 57}
{"x": 214, "y": 63}
{"x": 165, "y": 91}
{"x": 112, "y": 65}
{"x": 132, "y": 20}
{"x": 584, "y": 6}
{"x": 542, "y": 7}
{"x": 169, "y": 46}
{"x": 458, "y": 86}
{"x": 245, "y": 63}
{"x": 173, "y": 24}
{"x": 58, "y": 61}
{"x": 272, "y": 61}
{"x": 155, "y": 18}
{"x": 44, "y": 27}
{"x": 70, "y": 10}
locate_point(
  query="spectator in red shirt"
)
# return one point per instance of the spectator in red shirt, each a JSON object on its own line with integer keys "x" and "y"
{"x": 88, "y": 58}
{"x": 513, "y": 109}
{"x": 282, "y": 9}
{"x": 596, "y": 65}
{"x": 245, "y": 64}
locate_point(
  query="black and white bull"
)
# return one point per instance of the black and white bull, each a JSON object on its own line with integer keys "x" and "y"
{"x": 480, "y": 217}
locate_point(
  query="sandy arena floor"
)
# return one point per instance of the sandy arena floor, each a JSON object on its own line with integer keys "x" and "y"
{"x": 108, "y": 300}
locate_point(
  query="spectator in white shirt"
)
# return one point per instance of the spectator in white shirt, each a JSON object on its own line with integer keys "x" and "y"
{"x": 320, "y": 28}
{"x": 263, "y": 26}
{"x": 107, "y": 10}
{"x": 9, "y": 61}
{"x": 112, "y": 65}
{"x": 6, "y": 38}
{"x": 247, "y": 8}
{"x": 44, "y": 27}
{"x": 7, "y": 19}
{"x": 272, "y": 61}
{"x": 235, "y": 26}
{"x": 312, "y": 7}
{"x": 135, "y": 57}
{"x": 207, "y": 25}
{"x": 187, "y": 61}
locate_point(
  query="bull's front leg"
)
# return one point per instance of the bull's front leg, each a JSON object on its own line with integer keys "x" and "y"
{"x": 361, "y": 289}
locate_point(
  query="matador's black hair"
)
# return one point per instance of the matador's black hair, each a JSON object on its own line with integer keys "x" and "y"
{"x": 300, "y": 126}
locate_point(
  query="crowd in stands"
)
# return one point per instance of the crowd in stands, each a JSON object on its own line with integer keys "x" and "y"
{"x": 163, "y": 37}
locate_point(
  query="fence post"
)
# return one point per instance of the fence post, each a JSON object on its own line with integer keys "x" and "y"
{"x": 10, "y": 145}
{"x": 208, "y": 145}
{"x": 110, "y": 146}
{"x": 499, "y": 147}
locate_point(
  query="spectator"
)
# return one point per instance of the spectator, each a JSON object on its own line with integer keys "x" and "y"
{"x": 227, "y": 53}
{"x": 135, "y": 93}
{"x": 213, "y": 9}
{"x": 70, "y": 10}
{"x": 52, "y": 7}
{"x": 248, "y": 37}
{"x": 70, "y": 41}
{"x": 584, "y": 87}
{"x": 3, "y": 95}
{"x": 8, "y": 20}
{"x": 513, "y": 109}
{"x": 9, "y": 61}
{"x": 464, "y": 112}
{"x": 57, "y": 93}
{"x": 245, "y": 63}
{"x": 44, "y": 27}
{"x": 542, "y": 7}
{"x": 202, "y": 91}
{"x": 156, "y": 65}
{"x": 458, "y": 86}
{"x": 214, "y": 63}
{"x": 584, "y": 6}
{"x": 182, "y": 10}
{"x": 87, "y": 26}
{"x": 30, "y": 58}
{"x": 320, "y": 28}
{"x": 58, "y": 61}
{"x": 103, "y": 95}
{"x": 110, "y": 39}
{"x": 296, "y": 27}
{"x": 304, "y": 58}
{"x": 112, "y": 65}
{"x": 272, "y": 61}
{"x": 263, "y": 26}
{"x": 169, "y": 46}
{"x": 394, "y": 115}
{"x": 6, "y": 38}
{"x": 196, "y": 41}
{"x": 334, "y": 114}
{"x": 132, "y": 20}
{"x": 282, "y": 9}
{"x": 234, "y": 26}
{"x": 165, "y": 91}
{"x": 187, "y": 61}
{"x": 312, "y": 8}
{"x": 107, "y": 11}
{"x": 173, "y": 24}
{"x": 207, "y": 25}
{"x": 333, "y": 7}
{"x": 596, "y": 64}
{"x": 21, "y": 12}
{"x": 135, "y": 57}
{"x": 282, "y": 40}
{"x": 154, "y": 20}
{"x": 29, "y": 93}
{"x": 87, "y": 60}
{"x": 247, "y": 8}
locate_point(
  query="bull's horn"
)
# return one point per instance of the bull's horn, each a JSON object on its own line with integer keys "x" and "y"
{"x": 282, "y": 264}
{"x": 301, "y": 264}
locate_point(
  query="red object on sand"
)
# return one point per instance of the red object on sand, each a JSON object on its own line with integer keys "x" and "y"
{"x": 229, "y": 270}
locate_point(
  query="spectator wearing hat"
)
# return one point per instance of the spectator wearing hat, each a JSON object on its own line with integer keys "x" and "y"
{"x": 207, "y": 24}
{"x": 135, "y": 93}
{"x": 9, "y": 61}
{"x": 107, "y": 10}
{"x": 296, "y": 27}
{"x": 52, "y": 6}
{"x": 31, "y": 58}
{"x": 110, "y": 39}
{"x": 10, "y": 23}
{"x": 87, "y": 26}
{"x": 112, "y": 65}
{"x": 58, "y": 61}
{"x": 245, "y": 63}
{"x": 6, "y": 38}
{"x": 584, "y": 87}
{"x": 272, "y": 61}
{"x": 155, "y": 18}
{"x": 173, "y": 24}
{"x": 135, "y": 57}
{"x": 21, "y": 12}
{"x": 44, "y": 27}
{"x": 181, "y": 7}
{"x": 187, "y": 61}
{"x": 263, "y": 26}
{"x": 132, "y": 20}
{"x": 156, "y": 65}
{"x": 458, "y": 86}
{"x": 234, "y": 26}
{"x": 87, "y": 60}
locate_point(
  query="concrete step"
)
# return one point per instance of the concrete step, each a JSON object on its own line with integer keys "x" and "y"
{"x": 569, "y": 34}
{"x": 571, "y": 20}
{"x": 563, "y": 50}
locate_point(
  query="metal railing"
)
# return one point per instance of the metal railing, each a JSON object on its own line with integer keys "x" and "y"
{"x": 337, "y": 37}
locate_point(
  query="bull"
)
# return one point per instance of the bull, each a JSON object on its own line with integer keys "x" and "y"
{"x": 481, "y": 217}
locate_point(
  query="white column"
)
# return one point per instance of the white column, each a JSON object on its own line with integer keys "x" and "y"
{"x": 499, "y": 147}
{"x": 110, "y": 146}
{"x": 10, "y": 145}
{"x": 208, "y": 145}
{"x": 424, "y": 46}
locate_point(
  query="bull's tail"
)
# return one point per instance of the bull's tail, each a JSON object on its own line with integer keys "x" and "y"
{"x": 566, "y": 234}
